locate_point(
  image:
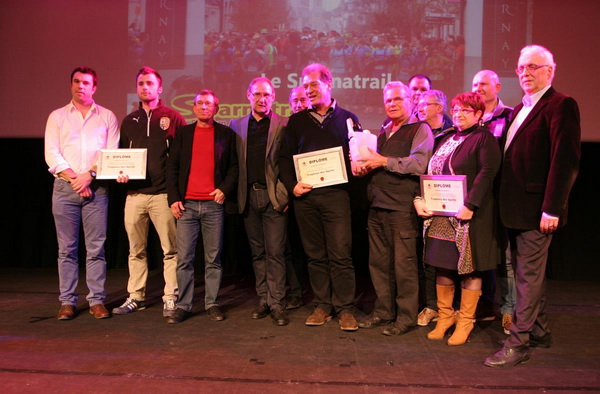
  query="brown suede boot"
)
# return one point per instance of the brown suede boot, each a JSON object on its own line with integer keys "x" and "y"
{"x": 445, "y": 295}
{"x": 466, "y": 317}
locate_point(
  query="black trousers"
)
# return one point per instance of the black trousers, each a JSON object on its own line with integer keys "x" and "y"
{"x": 393, "y": 264}
{"x": 267, "y": 234}
{"x": 323, "y": 217}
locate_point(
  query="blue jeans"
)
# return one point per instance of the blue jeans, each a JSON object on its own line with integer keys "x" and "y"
{"x": 506, "y": 281}
{"x": 70, "y": 210}
{"x": 208, "y": 217}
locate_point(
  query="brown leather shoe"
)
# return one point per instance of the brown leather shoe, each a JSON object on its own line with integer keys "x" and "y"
{"x": 348, "y": 322}
{"x": 99, "y": 311}
{"x": 66, "y": 312}
{"x": 318, "y": 318}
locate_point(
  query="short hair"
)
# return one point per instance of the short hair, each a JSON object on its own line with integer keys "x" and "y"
{"x": 208, "y": 92}
{"x": 297, "y": 89}
{"x": 438, "y": 96}
{"x": 149, "y": 70}
{"x": 542, "y": 51}
{"x": 324, "y": 73}
{"x": 397, "y": 84}
{"x": 261, "y": 79}
{"x": 492, "y": 74}
{"x": 421, "y": 76}
{"x": 469, "y": 99}
{"x": 85, "y": 70}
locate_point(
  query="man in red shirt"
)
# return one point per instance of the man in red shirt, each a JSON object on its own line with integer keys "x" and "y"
{"x": 202, "y": 171}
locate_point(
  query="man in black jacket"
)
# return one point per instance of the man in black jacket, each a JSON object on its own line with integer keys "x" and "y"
{"x": 202, "y": 171}
{"x": 152, "y": 126}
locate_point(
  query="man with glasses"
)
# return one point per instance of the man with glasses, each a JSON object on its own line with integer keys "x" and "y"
{"x": 323, "y": 214}
{"x": 262, "y": 197}
{"x": 496, "y": 116}
{"x": 431, "y": 109}
{"x": 541, "y": 161}
{"x": 202, "y": 170}
{"x": 403, "y": 151}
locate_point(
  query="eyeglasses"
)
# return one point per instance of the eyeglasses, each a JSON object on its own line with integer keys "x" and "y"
{"x": 425, "y": 105}
{"x": 204, "y": 104}
{"x": 258, "y": 96}
{"x": 531, "y": 68}
{"x": 463, "y": 111}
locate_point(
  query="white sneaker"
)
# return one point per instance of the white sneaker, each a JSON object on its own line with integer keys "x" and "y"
{"x": 169, "y": 308}
{"x": 130, "y": 305}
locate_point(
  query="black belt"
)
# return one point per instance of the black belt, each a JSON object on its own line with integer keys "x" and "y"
{"x": 258, "y": 186}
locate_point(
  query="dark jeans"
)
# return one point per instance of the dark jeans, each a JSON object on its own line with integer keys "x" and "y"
{"x": 531, "y": 256}
{"x": 267, "y": 231}
{"x": 323, "y": 217}
{"x": 393, "y": 264}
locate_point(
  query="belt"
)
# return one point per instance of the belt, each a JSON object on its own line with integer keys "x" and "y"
{"x": 258, "y": 186}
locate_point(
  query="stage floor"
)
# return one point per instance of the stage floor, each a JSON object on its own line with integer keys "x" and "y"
{"x": 140, "y": 352}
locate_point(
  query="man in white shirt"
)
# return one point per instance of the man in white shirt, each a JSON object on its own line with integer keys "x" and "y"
{"x": 74, "y": 136}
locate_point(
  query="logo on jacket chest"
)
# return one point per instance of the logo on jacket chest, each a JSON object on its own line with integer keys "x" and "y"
{"x": 165, "y": 122}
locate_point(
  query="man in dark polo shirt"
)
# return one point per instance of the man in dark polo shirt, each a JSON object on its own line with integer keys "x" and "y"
{"x": 403, "y": 151}
{"x": 262, "y": 198}
{"x": 202, "y": 171}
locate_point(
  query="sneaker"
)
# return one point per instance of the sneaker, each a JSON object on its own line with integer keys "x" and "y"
{"x": 169, "y": 308}
{"x": 130, "y": 305}
{"x": 348, "y": 322}
{"x": 318, "y": 318}
{"x": 506, "y": 322}
{"x": 426, "y": 316}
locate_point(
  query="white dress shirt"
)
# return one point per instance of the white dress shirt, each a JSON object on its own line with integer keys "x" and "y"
{"x": 528, "y": 103}
{"x": 73, "y": 141}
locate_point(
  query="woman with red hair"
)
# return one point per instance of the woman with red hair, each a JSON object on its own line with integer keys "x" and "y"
{"x": 463, "y": 245}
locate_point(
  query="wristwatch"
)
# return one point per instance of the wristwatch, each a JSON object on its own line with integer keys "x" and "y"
{"x": 93, "y": 174}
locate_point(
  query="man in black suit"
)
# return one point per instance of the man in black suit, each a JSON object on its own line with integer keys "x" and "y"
{"x": 541, "y": 161}
{"x": 262, "y": 198}
{"x": 202, "y": 171}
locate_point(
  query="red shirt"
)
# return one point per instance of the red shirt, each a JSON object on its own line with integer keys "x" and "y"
{"x": 201, "y": 181}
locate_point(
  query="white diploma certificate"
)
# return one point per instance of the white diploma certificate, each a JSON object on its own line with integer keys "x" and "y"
{"x": 120, "y": 162}
{"x": 444, "y": 194}
{"x": 320, "y": 168}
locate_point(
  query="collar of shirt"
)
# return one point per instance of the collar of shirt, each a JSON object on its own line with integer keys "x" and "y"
{"x": 252, "y": 119}
{"x": 160, "y": 104}
{"x": 72, "y": 106}
{"x": 329, "y": 110}
{"x": 530, "y": 101}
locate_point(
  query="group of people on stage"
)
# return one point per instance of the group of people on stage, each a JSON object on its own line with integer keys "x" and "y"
{"x": 520, "y": 166}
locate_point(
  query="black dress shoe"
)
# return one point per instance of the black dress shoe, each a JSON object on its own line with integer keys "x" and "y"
{"x": 373, "y": 321}
{"x": 396, "y": 329}
{"x": 506, "y": 357}
{"x": 260, "y": 312}
{"x": 214, "y": 312}
{"x": 280, "y": 318}
{"x": 178, "y": 316}
{"x": 294, "y": 302}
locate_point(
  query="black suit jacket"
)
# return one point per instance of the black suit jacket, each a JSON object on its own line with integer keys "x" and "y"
{"x": 180, "y": 160}
{"x": 541, "y": 163}
{"x": 277, "y": 192}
